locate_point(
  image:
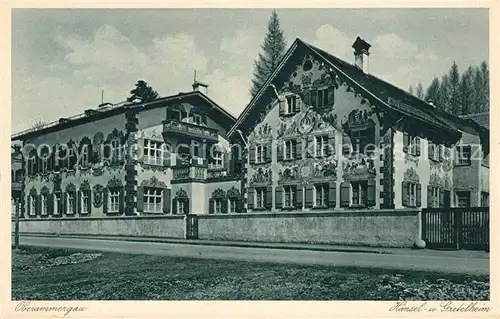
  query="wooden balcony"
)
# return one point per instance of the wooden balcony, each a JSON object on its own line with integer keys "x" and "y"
{"x": 176, "y": 128}
{"x": 193, "y": 172}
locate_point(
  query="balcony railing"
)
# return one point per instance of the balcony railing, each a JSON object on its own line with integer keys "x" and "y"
{"x": 189, "y": 172}
{"x": 173, "y": 127}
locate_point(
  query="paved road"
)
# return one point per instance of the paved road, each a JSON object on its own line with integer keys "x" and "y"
{"x": 445, "y": 264}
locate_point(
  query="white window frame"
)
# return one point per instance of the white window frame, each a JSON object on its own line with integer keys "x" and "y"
{"x": 197, "y": 119}
{"x": 361, "y": 188}
{"x": 259, "y": 153}
{"x": 85, "y": 195}
{"x": 70, "y": 199}
{"x": 85, "y": 156}
{"x": 322, "y": 140}
{"x": 289, "y": 150}
{"x": 155, "y": 147}
{"x": 461, "y": 160}
{"x": 45, "y": 165}
{"x": 151, "y": 196}
{"x": 436, "y": 151}
{"x": 231, "y": 203}
{"x": 114, "y": 201}
{"x": 217, "y": 205}
{"x": 459, "y": 197}
{"x": 412, "y": 194}
{"x": 180, "y": 206}
{"x": 320, "y": 193}
{"x": 324, "y": 92}
{"x": 260, "y": 197}
{"x": 413, "y": 144}
{"x": 115, "y": 151}
{"x": 288, "y": 196}
{"x": 57, "y": 203}
{"x": 291, "y": 103}
{"x": 217, "y": 160}
{"x": 45, "y": 205}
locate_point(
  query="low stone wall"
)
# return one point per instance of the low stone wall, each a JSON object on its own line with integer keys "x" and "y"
{"x": 151, "y": 226}
{"x": 382, "y": 228}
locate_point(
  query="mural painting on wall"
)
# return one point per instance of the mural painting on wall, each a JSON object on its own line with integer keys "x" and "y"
{"x": 436, "y": 180}
{"x": 447, "y": 181}
{"x": 411, "y": 175}
{"x": 97, "y": 194}
{"x": 261, "y": 176}
{"x": 233, "y": 192}
{"x": 358, "y": 166}
{"x": 263, "y": 132}
{"x": 153, "y": 182}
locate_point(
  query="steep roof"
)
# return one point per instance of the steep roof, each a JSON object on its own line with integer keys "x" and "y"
{"x": 227, "y": 120}
{"x": 482, "y": 119}
{"x": 386, "y": 93}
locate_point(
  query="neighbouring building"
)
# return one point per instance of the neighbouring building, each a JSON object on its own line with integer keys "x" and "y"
{"x": 325, "y": 134}
{"x": 169, "y": 156}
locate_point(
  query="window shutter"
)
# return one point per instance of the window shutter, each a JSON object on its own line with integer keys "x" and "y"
{"x": 65, "y": 204}
{"x": 251, "y": 198}
{"x": 419, "y": 195}
{"x": 30, "y": 171}
{"x": 430, "y": 150}
{"x": 282, "y": 106}
{"x": 269, "y": 198}
{"x": 140, "y": 199}
{"x": 429, "y": 196}
{"x": 122, "y": 201}
{"x": 299, "y": 201}
{"x": 166, "y": 193}
{"x": 468, "y": 149}
{"x": 251, "y": 154}
{"x": 186, "y": 206}
{"x": 174, "y": 206}
{"x": 39, "y": 204}
{"x": 211, "y": 208}
{"x": 310, "y": 146}
{"x": 224, "y": 205}
{"x": 441, "y": 198}
{"x": 28, "y": 208}
{"x": 79, "y": 201}
{"x": 404, "y": 193}
{"x": 239, "y": 205}
{"x": 105, "y": 195}
{"x": 50, "y": 204}
{"x": 309, "y": 196}
{"x": 417, "y": 145}
{"x": 332, "y": 194}
{"x": 330, "y": 150}
{"x": 298, "y": 104}
{"x": 314, "y": 97}
{"x": 298, "y": 148}
{"x": 345, "y": 190}
{"x": 346, "y": 149}
{"x": 268, "y": 149}
{"x": 278, "y": 196}
{"x": 331, "y": 95}
{"x": 89, "y": 203}
{"x": 280, "y": 149}
{"x": 371, "y": 192}
{"x": 406, "y": 142}
{"x": 166, "y": 159}
{"x": 226, "y": 160}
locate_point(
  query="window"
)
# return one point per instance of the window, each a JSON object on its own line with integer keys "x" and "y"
{"x": 435, "y": 197}
{"x": 216, "y": 160}
{"x": 85, "y": 156}
{"x": 197, "y": 119}
{"x": 485, "y": 199}
{"x": 415, "y": 145}
{"x": 32, "y": 203}
{"x": 463, "y": 199}
{"x": 260, "y": 194}
{"x": 114, "y": 201}
{"x": 85, "y": 200}
{"x": 115, "y": 150}
{"x": 412, "y": 194}
{"x": 464, "y": 154}
{"x": 290, "y": 147}
{"x": 322, "y": 98}
{"x": 363, "y": 141}
{"x": 359, "y": 193}
{"x": 57, "y": 203}
{"x": 153, "y": 151}
{"x": 260, "y": 154}
{"x": 320, "y": 193}
{"x": 153, "y": 200}
{"x": 70, "y": 201}
{"x": 434, "y": 151}
{"x": 291, "y": 102}
{"x": 289, "y": 196}
{"x": 218, "y": 206}
{"x": 45, "y": 206}
{"x": 232, "y": 205}
{"x": 32, "y": 163}
{"x": 180, "y": 206}
{"x": 321, "y": 145}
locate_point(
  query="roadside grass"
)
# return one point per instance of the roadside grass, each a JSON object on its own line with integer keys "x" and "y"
{"x": 116, "y": 276}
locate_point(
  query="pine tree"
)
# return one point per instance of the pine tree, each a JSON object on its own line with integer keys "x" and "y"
{"x": 433, "y": 91}
{"x": 410, "y": 90}
{"x": 273, "y": 49}
{"x": 482, "y": 86}
{"x": 419, "y": 91}
{"x": 142, "y": 93}
{"x": 467, "y": 94}
{"x": 454, "y": 90}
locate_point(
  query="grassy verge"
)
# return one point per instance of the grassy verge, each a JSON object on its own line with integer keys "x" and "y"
{"x": 115, "y": 276}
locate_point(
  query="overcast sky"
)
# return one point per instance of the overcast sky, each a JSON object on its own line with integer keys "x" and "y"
{"x": 62, "y": 59}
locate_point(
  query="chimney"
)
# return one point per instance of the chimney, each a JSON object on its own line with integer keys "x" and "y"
{"x": 361, "y": 48}
{"x": 199, "y": 86}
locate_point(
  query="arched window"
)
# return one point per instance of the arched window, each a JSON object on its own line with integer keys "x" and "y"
{"x": 180, "y": 204}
